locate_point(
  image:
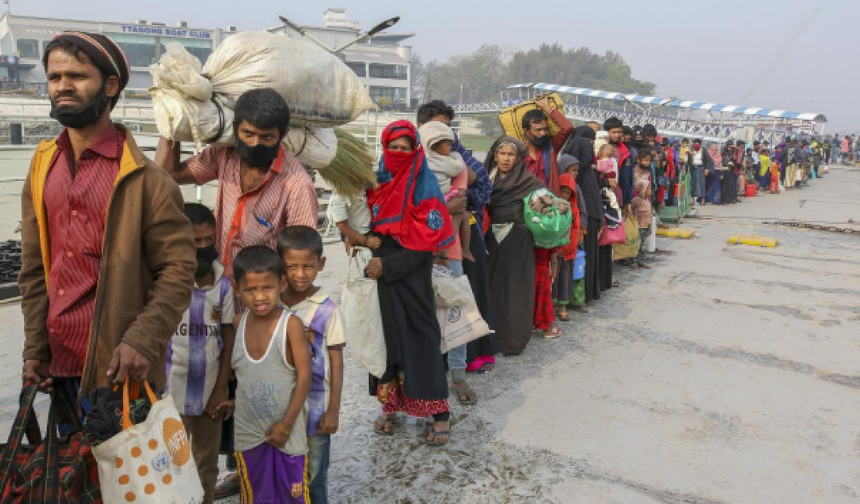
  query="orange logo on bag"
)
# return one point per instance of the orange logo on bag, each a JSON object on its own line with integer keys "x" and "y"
{"x": 177, "y": 441}
{"x": 297, "y": 490}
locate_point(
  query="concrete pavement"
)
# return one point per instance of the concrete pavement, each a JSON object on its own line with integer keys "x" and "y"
{"x": 725, "y": 374}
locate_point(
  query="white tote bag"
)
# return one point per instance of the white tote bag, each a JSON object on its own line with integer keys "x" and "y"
{"x": 151, "y": 462}
{"x": 362, "y": 319}
{"x": 457, "y": 311}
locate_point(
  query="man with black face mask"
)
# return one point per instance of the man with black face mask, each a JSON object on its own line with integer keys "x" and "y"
{"x": 107, "y": 257}
{"x": 543, "y": 148}
{"x": 262, "y": 188}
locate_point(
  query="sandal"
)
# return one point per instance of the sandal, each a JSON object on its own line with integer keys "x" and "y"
{"x": 486, "y": 368}
{"x": 563, "y": 316}
{"x": 228, "y": 487}
{"x": 436, "y": 435}
{"x": 465, "y": 394}
{"x": 580, "y": 309}
{"x": 616, "y": 283}
{"x": 387, "y": 424}
{"x": 551, "y": 333}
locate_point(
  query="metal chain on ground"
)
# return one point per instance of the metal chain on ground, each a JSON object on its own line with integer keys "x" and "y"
{"x": 816, "y": 227}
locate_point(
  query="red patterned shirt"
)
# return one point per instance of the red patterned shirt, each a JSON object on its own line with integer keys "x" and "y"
{"x": 287, "y": 197}
{"x": 76, "y": 200}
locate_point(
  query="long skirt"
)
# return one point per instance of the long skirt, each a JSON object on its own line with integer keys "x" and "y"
{"x": 562, "y": 288}
{"x": 544, "y": 315}
{"x": 512, "y": 277}
{"x": 412, "y": 334}
{"x": 479, "y": 279}
{"x": 712, "y": 187}
{"x": 605, "y": 259}
{"x": 592, "y": 265}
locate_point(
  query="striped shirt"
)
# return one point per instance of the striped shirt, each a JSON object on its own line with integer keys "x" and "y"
{"x": 194, "y": 352}
{"x": 286, "y": 197}
{"x": 325, "y": 330}
{"x": 76, "y": 200}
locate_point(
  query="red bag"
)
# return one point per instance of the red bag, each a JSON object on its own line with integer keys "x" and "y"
{"x": 612, "y": 236}
{"x": 53, "y": 471}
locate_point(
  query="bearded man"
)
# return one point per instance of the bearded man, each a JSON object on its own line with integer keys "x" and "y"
{"x": 107, "y": 255}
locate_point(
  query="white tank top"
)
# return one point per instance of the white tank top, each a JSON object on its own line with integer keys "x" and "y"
{"x": 263, "y": 391}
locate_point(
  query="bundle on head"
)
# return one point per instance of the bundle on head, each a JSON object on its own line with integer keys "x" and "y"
{"x": 351, "y": 171}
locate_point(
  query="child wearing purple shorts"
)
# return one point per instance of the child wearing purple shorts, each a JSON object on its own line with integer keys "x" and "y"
{"x": 271, "y": 358}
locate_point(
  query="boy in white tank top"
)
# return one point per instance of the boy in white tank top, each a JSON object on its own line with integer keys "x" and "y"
{"x": 271, "y": 359}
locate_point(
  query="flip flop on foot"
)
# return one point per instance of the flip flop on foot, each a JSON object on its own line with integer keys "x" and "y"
{"x": 551, "y": 333}
{"x": 580, "y": 309}
{"x": 384, "y": 425}
{"x": 438, "y": 438}
{"x": 616, "y": 283}
{"x": 228, "y": 487}
{"x": 563, "y": 316}
{"x": 465, "y": 394}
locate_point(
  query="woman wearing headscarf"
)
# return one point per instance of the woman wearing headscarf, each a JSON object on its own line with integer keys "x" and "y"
{"x": 729, "y": 187}
{"x": 715, "y": 173}
{"x": 409, "y": 215}
{"x": 581, "y": 147}
{"x": 511, "y": 245}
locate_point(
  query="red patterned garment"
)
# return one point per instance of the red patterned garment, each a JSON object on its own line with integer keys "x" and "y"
{"x": 393, "y": 400}
{"x": 76, "y": 200}
{"x": 544, "y": 315}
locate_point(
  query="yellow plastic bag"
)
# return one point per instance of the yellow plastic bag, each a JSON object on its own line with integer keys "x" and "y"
{"x": 630, "y": 248}
{"x": 511, "y": 118}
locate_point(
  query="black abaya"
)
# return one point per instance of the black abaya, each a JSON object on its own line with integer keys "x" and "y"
{"x": 592, "y": 262}
{"x": 479, "y": 279}
{"x": 412, "y": 334}
{"x": 605, "y": 273}
{"x": 512, "y": 293}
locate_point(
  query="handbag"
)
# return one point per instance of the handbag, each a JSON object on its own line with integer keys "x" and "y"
{"x": 630, "y": 247}
{"x": 460, "y": 320}
{"x": 151, "y": 462}
{"x": 360, "y": 311}
{"x": 53, "y": 470}
{"x": 612, "y": 236}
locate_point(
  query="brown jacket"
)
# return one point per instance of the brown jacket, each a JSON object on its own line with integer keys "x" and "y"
{"x": 147, "y": 265}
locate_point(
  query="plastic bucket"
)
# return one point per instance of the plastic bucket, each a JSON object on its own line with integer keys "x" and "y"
{"x": 751, "y": 190}
{"x": 579, "y": 265}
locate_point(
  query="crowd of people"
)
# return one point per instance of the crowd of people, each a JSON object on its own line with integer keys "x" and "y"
{"x": 121, "y": 280}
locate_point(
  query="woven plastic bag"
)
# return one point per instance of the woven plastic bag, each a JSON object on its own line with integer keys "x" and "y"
{"x": 151, "y": 462}
{"x": 197, "y": 105}
{"x": 549, "y": 227}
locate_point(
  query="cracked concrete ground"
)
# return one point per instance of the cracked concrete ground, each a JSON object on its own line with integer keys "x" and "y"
{"x": 725, "y": 374}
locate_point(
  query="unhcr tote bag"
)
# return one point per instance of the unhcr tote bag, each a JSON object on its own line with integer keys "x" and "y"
{"x": 151, "y": 462}
{"x": 359, "y": 309}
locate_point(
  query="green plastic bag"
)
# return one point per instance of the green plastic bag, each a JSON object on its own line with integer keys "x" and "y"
{"x": 549, "y": 228}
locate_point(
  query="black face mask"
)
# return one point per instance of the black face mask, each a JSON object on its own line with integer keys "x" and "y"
{"x": 258, "y": 156}
{"x": 540, "y": 142}
{"x": 81, "y": 118}
{"x": 205, "y": 257}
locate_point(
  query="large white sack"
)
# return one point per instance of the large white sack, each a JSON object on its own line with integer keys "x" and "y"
{"x": 312, "y": 147}
{"x": 320, "y": 90}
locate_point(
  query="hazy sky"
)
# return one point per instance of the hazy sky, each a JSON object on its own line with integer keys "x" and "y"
{"x": 697, "y": 50}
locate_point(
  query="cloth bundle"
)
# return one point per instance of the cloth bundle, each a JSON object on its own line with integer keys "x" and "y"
{"x": 547, "y": 218}
{"x": 194, "y": 102}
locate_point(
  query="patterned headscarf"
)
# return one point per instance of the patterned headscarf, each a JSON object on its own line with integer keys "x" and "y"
{"x": 407, "y": 204}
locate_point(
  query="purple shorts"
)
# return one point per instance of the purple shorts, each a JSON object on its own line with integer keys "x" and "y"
{"x": 269, "y": 476}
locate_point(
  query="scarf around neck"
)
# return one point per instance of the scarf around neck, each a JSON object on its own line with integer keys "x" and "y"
{"x": 407, "y": 203}
{"x": 506, "y": 203}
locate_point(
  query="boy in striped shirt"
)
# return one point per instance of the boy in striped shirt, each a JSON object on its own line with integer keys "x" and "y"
{"x": 197, "y": 374}
{"x": 301, "y": 248}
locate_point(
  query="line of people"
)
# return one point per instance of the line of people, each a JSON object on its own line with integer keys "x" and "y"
{"x": 122, "y": 280}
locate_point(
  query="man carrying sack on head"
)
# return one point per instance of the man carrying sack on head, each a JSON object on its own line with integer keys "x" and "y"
{"x": 107, "y": 255}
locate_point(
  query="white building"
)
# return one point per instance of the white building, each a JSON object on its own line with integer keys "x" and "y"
{"x": 23, "y": 40}
{"x": 382, "y": 61}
